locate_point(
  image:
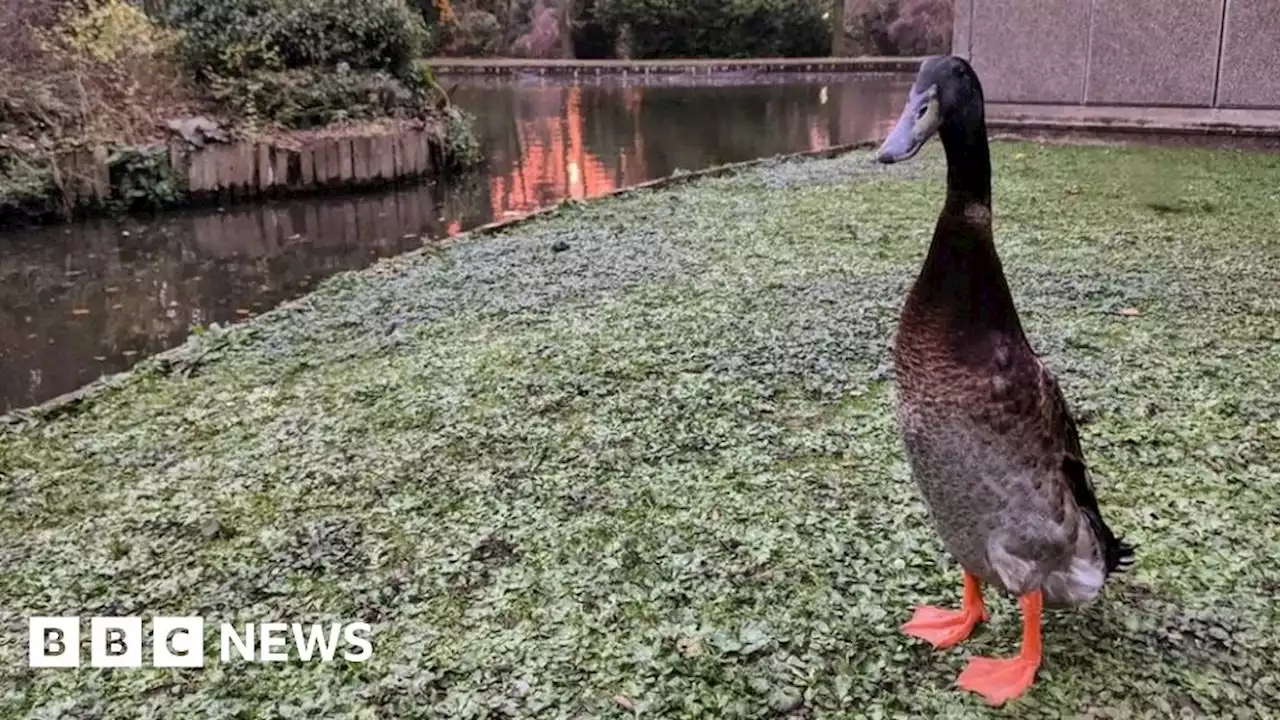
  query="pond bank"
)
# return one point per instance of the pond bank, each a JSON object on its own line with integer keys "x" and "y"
{"x": 266, "y": 229}
{"x": 181, "y": 173}
{"x": 636, "y": 456}
{"x": 86, "y": 299}
{"x": 507, "y": 66}
{"x": 97, "y": 90}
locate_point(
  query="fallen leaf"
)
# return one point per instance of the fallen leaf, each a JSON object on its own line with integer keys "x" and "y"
{"x": 1130, "y": 312}
{"x": 689, "y": 646}
{"x": 625, "y": 703}
{"x": 80, "y": 311}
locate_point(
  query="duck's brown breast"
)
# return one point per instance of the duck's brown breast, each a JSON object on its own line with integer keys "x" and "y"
{"x": 974, "y": 430}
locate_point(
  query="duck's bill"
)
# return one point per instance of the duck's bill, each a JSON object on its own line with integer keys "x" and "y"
{"x": 912, "y": 130}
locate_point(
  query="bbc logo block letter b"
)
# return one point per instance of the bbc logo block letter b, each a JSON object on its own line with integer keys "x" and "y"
{"x": 54, "y": 642}
{"x": 115, "y": 642}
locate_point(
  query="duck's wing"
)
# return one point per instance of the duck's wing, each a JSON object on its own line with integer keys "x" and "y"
{"x": 1063, "y": 426}
{"x": 1075, "y": 472}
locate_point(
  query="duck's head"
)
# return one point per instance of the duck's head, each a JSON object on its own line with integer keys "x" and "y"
{"x": 946, "y": 93}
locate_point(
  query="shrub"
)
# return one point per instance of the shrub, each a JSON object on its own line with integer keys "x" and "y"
{"x": 305, "y": 99}
{"x": 110, "y": 30}
{"x": 93, "y": 72}
{"x": 234, "y": 38}
{"x": 21, "y": 21}
{"x": 143, "y": 179}
{"x": 99, "y": 70}
{"x": 35, "y": 108}
{"x": 27, "y": 186}
{"x": 461, "y": 148}
{"x": 476, "y": 33}
{"x": 591, "y": 39}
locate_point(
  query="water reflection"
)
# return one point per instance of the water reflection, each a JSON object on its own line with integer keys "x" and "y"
{"x": 89, "y": 299}
{"x": 548, "y": 141}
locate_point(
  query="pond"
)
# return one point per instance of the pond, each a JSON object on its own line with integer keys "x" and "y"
{"x": 83, "y": 300}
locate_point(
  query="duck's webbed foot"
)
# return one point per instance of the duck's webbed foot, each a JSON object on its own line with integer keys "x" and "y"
{"x": 999, "y": 679}
{"x": 945, "y": 628}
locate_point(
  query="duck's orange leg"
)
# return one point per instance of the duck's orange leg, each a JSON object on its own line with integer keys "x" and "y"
{"x": 944, "y": 628}
{"x": 999, "y": 680}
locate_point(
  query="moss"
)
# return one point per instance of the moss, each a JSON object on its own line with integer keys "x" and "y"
{"x": 658, "y": 470}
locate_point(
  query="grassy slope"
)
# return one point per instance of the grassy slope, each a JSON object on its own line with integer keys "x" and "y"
{"x": 662, "y": 464}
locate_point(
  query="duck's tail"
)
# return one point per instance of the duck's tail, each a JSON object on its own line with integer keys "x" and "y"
{"x": 1117, "y": 554}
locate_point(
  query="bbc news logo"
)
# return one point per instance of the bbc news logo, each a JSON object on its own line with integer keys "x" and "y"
{"x": 117, "y": 642}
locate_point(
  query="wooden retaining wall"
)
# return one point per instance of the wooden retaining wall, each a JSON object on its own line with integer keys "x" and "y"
{"x": 84, "y": 177}
{"x": 252, "y": 169}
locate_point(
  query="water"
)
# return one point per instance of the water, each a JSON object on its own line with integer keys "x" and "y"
{"x": 84, "y": 300}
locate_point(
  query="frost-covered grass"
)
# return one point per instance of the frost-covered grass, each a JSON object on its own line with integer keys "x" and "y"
{"x": 657, "y": 472}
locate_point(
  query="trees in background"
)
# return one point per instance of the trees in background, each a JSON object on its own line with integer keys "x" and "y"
{"x": 480, "y": 28}
{"x": 684, "y": 28}
{"x": 717, "y": 28}
{"x": 898, "y": 27}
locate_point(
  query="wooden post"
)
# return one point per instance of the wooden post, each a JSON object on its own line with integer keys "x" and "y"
{"x": 345, "y": 171}
{"x": 101, "y": 175}
{"x": 307, "y": 167}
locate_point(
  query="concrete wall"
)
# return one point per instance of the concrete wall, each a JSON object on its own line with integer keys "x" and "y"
{"x": 1178, "y": 53}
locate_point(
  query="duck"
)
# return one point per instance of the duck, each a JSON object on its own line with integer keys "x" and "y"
{"x": 990, "y": 441}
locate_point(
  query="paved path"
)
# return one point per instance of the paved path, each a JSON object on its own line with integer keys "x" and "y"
{"x": 1262, "y": 127}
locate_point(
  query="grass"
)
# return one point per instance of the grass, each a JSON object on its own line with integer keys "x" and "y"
{"x": 657, "y": 472}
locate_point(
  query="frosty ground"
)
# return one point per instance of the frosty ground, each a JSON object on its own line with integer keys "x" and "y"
{"x": 657, "y": 472}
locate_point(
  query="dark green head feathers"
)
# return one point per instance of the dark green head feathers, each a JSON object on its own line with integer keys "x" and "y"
{"x": 946, "y": 99}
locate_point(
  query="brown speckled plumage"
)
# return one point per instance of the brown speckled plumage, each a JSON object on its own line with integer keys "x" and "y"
{"x": 990, "y": 440}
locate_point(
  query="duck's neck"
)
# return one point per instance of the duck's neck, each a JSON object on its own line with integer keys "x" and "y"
{"x": 962, "y": 283}
{"x": 964, "y": 138}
